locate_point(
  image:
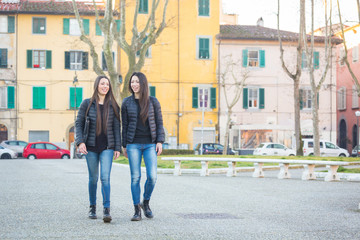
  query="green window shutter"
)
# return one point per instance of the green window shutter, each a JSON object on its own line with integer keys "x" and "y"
{"x": 244, "y": 57}
{"x": 245, "y": 98}
{"x": 42, "y": 97}
{"x": 195, "y": 93}
{"x": 303, "y": 57}
{"x": 85, "y": 60}
{"x": 79, "y": 93}
{"x": 316, "y": 60}
{"x": 48, "y": 59}
{"x": 152, "y": 91}
{"x": 67, "y": 60}
{"x": 35, "y": 98}
{"x": 317, "y": 100}
{"x": 262, "y": 58}
{"x": 143, "y": 6}
{"x": 86, "y": 24}
{"x": 11, "y": 24}
{"x": 29, "y": 59}
{"x": 98, "y": 31}
{"x": 301, "y": 99}
{"x": 3, "y": 58}
{"x": 212, "y": 97}
{"x": 204, "y": 51}
{"x": 262, "y": 98}
{"x": 72, "y": 97}
{"x": 66, "y": 26}
{"x": 200, "y": 2}
{"x": 207, "y": 8}
{"x": 104, "y": 67}
{"x": 11, "y": 96}
{"x": 118, "y": 24}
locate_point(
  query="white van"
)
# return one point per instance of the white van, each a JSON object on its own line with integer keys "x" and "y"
{"x": 327, "y": 149}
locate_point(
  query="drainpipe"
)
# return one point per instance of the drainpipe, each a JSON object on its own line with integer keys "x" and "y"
{"x": 178, "y": 78}
{"x": 219, "y": 87}
{"x": 16, "y": 77}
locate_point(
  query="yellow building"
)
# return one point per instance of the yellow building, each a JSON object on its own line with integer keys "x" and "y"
{"x": 181, "y": 68}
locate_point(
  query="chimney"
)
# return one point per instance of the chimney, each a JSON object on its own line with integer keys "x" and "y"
{"x": 260, "y": 22}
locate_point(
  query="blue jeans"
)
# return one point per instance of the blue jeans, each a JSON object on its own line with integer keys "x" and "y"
{"x": 105, "y": 159}
{"x": 135, "y": 153}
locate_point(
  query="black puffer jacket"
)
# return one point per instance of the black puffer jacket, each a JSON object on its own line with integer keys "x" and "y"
{"x": 129, "y": 113}
{"x": 113, "y": 126}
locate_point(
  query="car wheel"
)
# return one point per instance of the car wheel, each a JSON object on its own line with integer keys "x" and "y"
{"x": 31, "y": 157}
{"x": 342, "y": 155}
{"x": 291, "y": 155}
{"x": 311, "y": 154}
{"x": 65, "y": 156}
{"x": 6, "y": 156}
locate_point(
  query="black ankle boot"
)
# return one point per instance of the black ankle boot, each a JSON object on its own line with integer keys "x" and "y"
{"x": 107, "y": 218}
{"x": 137, "y": 214}
{"x": 147, "y": 211}
{"x": 92, "y": 212}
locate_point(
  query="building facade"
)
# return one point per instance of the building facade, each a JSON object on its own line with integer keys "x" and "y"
{"x": 347, "y": 95}
{"x": 265, "y": 110}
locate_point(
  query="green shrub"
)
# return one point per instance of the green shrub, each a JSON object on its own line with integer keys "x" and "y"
{"x": 177, "y": 152}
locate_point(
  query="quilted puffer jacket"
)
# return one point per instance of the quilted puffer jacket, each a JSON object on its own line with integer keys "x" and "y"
{"x": 113, "y": 126}
{"x": 129, "y": 112}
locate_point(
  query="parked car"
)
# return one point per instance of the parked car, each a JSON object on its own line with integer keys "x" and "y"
{"x": 273, "y": 149}
{"x": 212, "y": 148}
{"x": 327, "y": 149}
{"x": 355, "y": 153}
{"x": 15, "y": 145}
{"x": 6, "y": 153}
{"x": 44, "y": 150}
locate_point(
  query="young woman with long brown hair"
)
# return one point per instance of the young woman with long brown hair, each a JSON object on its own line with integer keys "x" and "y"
{"x": 143, "y": 135}
{"x": 103, "y": 142}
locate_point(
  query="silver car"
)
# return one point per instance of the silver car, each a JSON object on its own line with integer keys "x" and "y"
{"x": 6, "y": 153}
{"x": 15, "y": 145}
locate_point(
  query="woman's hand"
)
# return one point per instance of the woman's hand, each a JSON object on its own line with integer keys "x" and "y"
{"x": 125, "y": 153}
{"x": 116, "y": 154}
{"x": 159, "y": 148}
{"x": 82, "y": 148}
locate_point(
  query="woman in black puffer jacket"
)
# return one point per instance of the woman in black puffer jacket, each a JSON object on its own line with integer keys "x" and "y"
{"x": 143, "y": 135}
{"x": 103, "y": 141}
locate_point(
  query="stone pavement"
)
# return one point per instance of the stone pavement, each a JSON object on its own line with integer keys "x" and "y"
{"x": 48, "y": 199}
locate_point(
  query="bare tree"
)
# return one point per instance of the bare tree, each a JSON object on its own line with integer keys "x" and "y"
{"x": 295, "y": 76}
{"x": 232, "y": 85}
{"x": 315, "y": 85}
{"x": 345, "y": 57}
{"x": 140, "y": 40}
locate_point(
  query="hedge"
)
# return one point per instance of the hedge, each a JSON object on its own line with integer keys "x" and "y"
{"x": 177, "y": 152}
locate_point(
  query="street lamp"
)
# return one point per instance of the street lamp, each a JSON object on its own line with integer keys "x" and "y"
{"x": 202, "y": 122}
{"x": 75, "y": 83}
{"x": 357, "y": 114}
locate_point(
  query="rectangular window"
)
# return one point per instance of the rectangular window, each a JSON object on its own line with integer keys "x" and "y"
{"x": 74, "y": 28}
{"x": 204, "y": 7}
{"x": 148, "y": 51}
{"x": 355, "y": 98}
{"x": 3, "y": 58}
{"x": 342, "y": 98}
{"x": 143, "y": 6}
{"x": 3, "y": 24}
{"x": 76, "y": 60}
{"x": 253, "y": 58}
{"x": 316, "y": 60}
{"x": 39, "y": 57}
{"x": 305, "y": 99}
{"x": 204, "y": 48}
{"x": 3, "y": 97}
{"x": 355, "y": 53}
{"x": 104, "y": 64}
{"x": 39, "y": 97}
{"x": 253, "y": 99}
{"x": 204, "y": 97}
{"x": 342, "y": 56}
{"x": 39, "y": 25}
{"x": 78, "y": 97}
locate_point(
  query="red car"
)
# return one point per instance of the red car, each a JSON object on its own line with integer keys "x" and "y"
{"x": 45, "y": 150}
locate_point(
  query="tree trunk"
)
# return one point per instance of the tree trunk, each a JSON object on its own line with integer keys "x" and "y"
{"x": 227, "y": 133}
{"x": 298, "y": 140}
{"x": 315, "y": 115}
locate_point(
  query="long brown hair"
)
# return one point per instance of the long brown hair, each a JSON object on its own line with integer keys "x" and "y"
{"x": 109, "y": 99}
{"x": 144, "y": 95}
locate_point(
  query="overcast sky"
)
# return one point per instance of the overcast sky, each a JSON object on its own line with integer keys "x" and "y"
{"x": 250, "y": 11}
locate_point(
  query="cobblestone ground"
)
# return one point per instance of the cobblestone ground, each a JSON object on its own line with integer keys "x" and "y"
{"x": 48, "y": 199}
